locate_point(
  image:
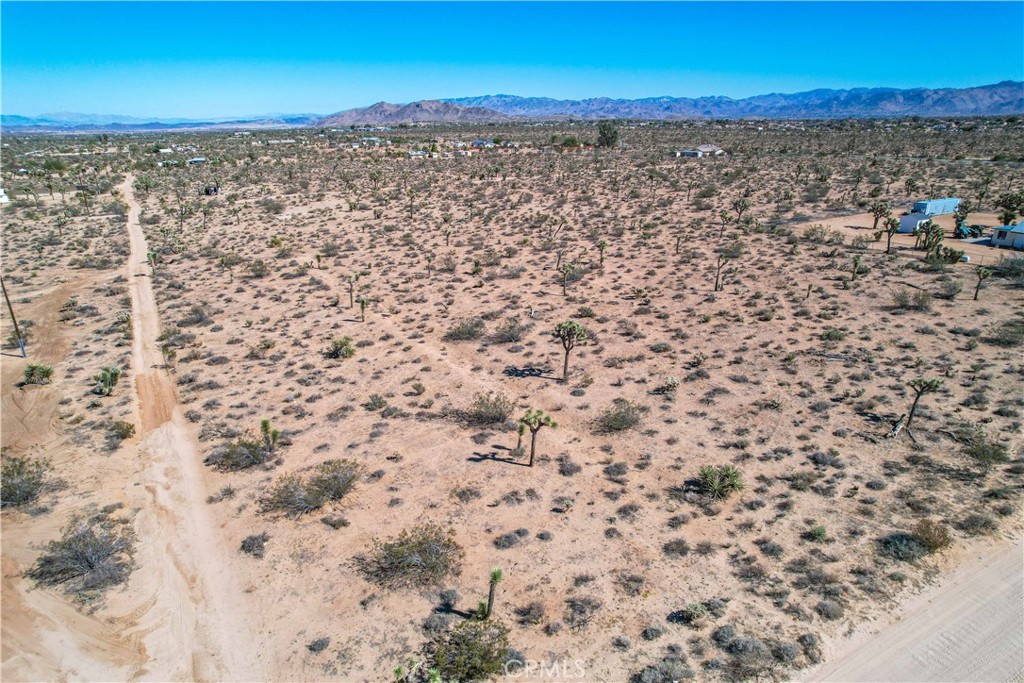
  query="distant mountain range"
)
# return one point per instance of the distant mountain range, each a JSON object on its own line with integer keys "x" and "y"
{"x": 999, "y": 99}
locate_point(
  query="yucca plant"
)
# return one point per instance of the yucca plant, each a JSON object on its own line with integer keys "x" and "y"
{"x": 270, "y": 435}
{"x": 720, "y": 481}
{"x": 107, "y": 380}
{"x": 38, "y": 373}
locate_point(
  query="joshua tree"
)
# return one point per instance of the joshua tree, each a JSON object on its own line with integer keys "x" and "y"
{"x": 567, "y": 270}
{"x": 363, "y": 301}
{"x": 571, "y": 334}
{"x": 879, "y": 210}
{"x": 534, "y": 420}
{"x": 739, "y": 206}
{"x": 62, "y": 221}
{"x": 722, "y": 261}
{"x": 962, "y": 211}
{"x": 983, "y": 274}
{"x": 601, "y": 246}
{"x": 723, "y": 216}
{"x": 931, "y": 238}
{"x": 921, "y": 387}
{"x": 892, "y": 226}
{"x": 270, "y": 436}
{"x": 495, "y": 580}
{"x": 318, "y": 266}
{"x": 856, "y": 267}
{"x": 352, "y": 280}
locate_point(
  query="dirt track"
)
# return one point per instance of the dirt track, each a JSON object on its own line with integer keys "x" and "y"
{"x": 196, "y": 628}
{"x": 969, "y": 627}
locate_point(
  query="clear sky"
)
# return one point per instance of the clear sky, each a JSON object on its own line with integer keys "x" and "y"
{"x": 205, "y": 59}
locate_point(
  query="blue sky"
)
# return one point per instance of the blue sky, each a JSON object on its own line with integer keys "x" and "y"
{"x": 204, "y": 59}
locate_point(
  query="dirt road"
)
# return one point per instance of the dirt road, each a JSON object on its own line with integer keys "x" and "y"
{"x": 195, "y": 627}
{"x": 968, "y": 627}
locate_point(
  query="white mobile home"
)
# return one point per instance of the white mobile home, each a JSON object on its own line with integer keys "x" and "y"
{"x": 912, "y": 221}
{"x": 1011, "y": 236}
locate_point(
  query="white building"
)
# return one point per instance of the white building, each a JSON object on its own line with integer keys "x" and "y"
{"x": 912, "y": 221}
{"x": 4, "y": 199}
{"x": 1011, "y": 236}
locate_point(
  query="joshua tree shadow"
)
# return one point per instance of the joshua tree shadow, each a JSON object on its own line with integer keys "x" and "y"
{"x": 493, "y": 456}
{"x": 543, "y": 373}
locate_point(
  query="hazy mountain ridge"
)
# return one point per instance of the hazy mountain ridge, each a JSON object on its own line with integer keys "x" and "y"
{"x": 998, "y": 99}
{"x": 988, "y": 100}
{"x": 423, "y": 111}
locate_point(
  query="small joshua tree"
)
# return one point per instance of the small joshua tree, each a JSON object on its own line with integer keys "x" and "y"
{"x": 879, "y": 210}
{"x": 567, "y": 270}
{"x": 534, "y": 420}
{"x": 352, "y": 280}
{"x": 571, "y": 334}
{"x": 723, "y": 260}
{"x": 270, "y": 435}
{"x": 921, "y": 387}
{"x": 983, "y": 274}
{"x": 363, "y": 301}
{"x": 495, "y": 580}
{"x": 601, "y": 246}
{"x": 856, "y": 267}
{"x": 892, "y": 226}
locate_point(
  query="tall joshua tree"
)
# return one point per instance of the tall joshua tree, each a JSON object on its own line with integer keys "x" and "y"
{"x": 571, "y": 334}
{"x": 879, "y": 210}
{"x": 534, "y": 420}
{"x": 983, "y": 274}
{"x": 892, "y": 226}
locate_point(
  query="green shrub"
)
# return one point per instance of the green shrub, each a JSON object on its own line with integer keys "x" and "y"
{"x": 833, "y": 334}
{"x": 422, "y": 556}
{"x": 465, "y": 330}
{"x": 512, "y": 330}
{"x": 622, "y": 415}
{"x": 244, "y": 452}
{"x": 474, "y": 650}
{"x": 21, "y": 480}
{"x": 296, "y": 495}
{"x": 119, "y": 430}
{"x": 488, "y": 409}
{"x": 902, "y": 546}
{"x": 375, "y": 402}
{"x": 1009, "y": 334}
{"x": 340, "y": 348}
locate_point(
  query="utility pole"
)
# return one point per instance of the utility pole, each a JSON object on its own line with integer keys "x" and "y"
{"x": 17, "y": 331}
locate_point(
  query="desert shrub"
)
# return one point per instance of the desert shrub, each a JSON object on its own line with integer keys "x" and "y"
{"x": 692, "y": 615}
{"x": 833, "y": 334}
{"x": 375, "y": 402}
{"x": 258, "y": 269}
{"x": 976, "y": 524}
{"x": 719, "y": 482}
{"x": 949, "y": 289}
{"x": 340, "y": 348}
{"x": 255, "y": 544}
{"x": 982, "y": 448}
{"x": 750, "y": 659}
{"x": 474, "y": 650}
{"x": 531, "y": 614}
{"x": 567, "y": 467}
{"x": 22, "y": 480}
{"x": 670, "y": 669}
{"x": 319, "y": 645}
{"x": 488, "y": 409}
{"x": 1009, "y": 334}
{"x": 932, "y": 535}
{"x": 622, "y": 415}
{"x": 512, "y": 330}
{"x": 676, "y": 548}
{"x": 244, "y": 452}
{"x": 295, "y": 495}
{"x": 119, "y": 430}
{"x": 829, "y": 609}
{"x": 92, "y": 554}
{"x": 467, "y": 329}
{"x": 38, "y": 373}
{"x": 422, "y": 556}
{"x": 901, "y": 546}
{"x": 580, "y": 611}
{"x": 904, "y": 299}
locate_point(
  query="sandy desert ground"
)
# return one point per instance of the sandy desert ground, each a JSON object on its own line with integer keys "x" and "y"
{"x": 619, "y": 562}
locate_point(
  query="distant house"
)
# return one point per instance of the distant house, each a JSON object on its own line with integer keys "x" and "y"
{"x": 165, "y": 150}
{"x": 463, "y": 152}
{"x": 196, "y": 161}
{"x": 483, "y": 144}
{"x": 4, "y": 199}
{"x": 417, "y": 154}
{"x": 1011, "y": 236}
{"x": 701, "y": 151}
{"x": 912, "y": 221}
